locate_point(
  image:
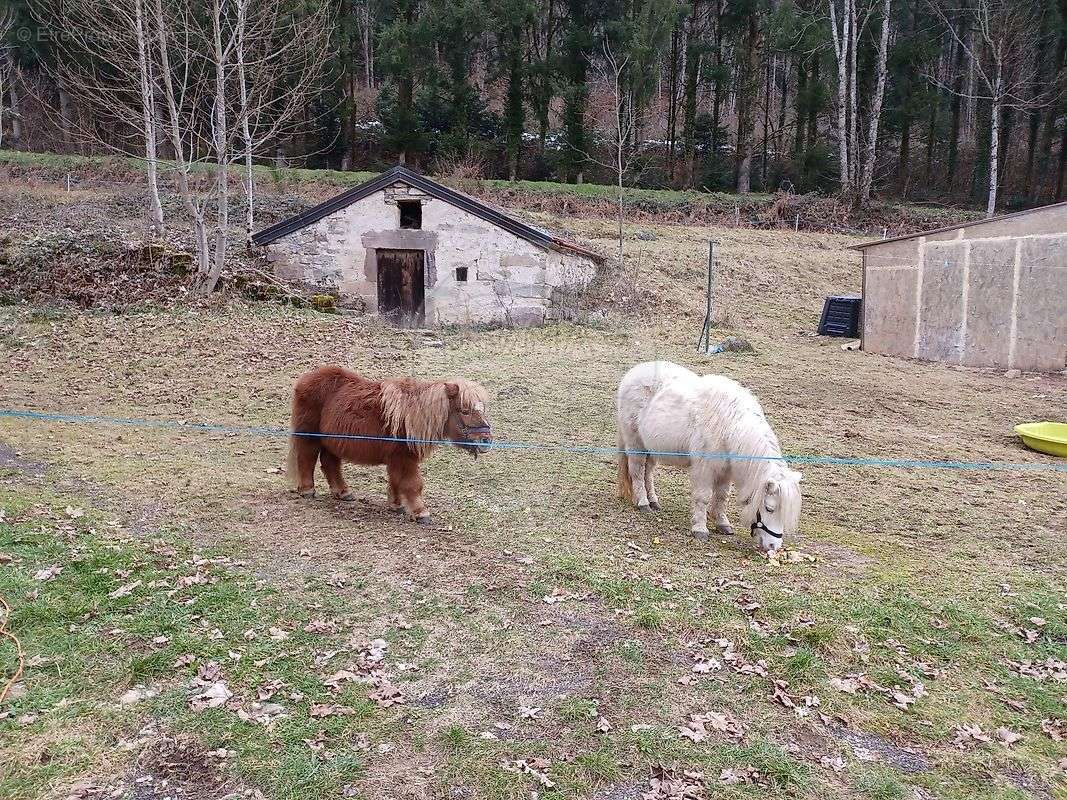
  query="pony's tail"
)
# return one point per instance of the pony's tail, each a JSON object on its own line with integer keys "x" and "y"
{"x": 626, "y": 488}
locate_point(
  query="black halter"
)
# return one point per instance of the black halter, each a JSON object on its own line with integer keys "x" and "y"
{"x": 759, "y": 525}
{"x": 466, "y": 431}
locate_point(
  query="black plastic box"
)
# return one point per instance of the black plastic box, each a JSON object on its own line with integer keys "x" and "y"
{"x": 841, "y": 316}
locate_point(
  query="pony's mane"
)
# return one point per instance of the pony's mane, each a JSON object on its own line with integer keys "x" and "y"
{"x": 748, "y": 433}
{"x": 419, "y": 409}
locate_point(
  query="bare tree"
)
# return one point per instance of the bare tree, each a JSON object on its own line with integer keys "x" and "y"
{"x": 7, "y": 61}
{"x": 219, "y": 82}
{"x": 103, "y": 60}
{"x": 232, "y": 81}
{"x": 279, "y": 59}
{"x": 847, "y": 27}
{"x": 624, "y": 127}
{"x": 997, "y": 37}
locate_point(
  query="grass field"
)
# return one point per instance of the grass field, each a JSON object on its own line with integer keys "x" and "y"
{"x": 542, "y": 637}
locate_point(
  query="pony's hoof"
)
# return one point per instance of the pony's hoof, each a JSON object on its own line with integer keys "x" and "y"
{"x": 347, "y": 497}
{"x": 701, "y": 536}
{"x": 645, "y": 509}
{"x": 654, "y": 505}
{"x": 396, "y": 509}
{"x": 427, "y": 520}
{"x": 307, "y": 494}
{"x": 724, "y": 530}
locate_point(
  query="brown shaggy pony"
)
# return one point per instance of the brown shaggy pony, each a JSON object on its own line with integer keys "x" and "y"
{"x": 336, "y": 400}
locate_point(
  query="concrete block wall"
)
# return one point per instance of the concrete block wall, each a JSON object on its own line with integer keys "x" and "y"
{"x": 993, "y": 294}
{"x": 509, "y": 280}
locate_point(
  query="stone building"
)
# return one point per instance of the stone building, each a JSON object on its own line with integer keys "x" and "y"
{"x": 986, "y": 293}
{"x": 406, "y": 247}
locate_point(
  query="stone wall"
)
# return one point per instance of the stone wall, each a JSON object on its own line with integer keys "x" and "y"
{"x": 987, "y": 294}
{"x": 509, "y": 280}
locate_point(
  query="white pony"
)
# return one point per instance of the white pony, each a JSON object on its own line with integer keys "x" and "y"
{"x": 666, "y": 409}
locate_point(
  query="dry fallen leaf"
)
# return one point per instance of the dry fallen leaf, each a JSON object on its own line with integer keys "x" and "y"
{"x": 136, "y": 695}
{"x": 75, "y": 512}
{"x": 213, "y": 696}
{"x": 847, "y": 685}
{"x": 124, "y": 591}
{"x": 536, "y": 768}
{"x": 327, "y": 710}
{"x": 528, "y": 712}
{"x": 705, "y": 665}
{"x": 1054, "y": 728}
{"x": 48, "y": 573}
{"x": 387, "y": 695}
{"x": 966, "y": 734}
{"x": 739, "y": 775}
{"x": 602, "y": 725}
{"x": 902, "y": 700}
{"x": 342, "y": 676}
{"x": 1007, "y": 737}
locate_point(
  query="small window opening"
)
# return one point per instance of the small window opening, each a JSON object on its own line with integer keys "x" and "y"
{"x": 410, "y": 214}
{"x": 461, "y": 274}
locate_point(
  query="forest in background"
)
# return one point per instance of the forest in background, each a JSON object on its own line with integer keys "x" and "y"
{"x": 954, "y": 101}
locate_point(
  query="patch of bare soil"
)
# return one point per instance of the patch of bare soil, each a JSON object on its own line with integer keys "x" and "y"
{"x": 871, "y": 747}
{"x": 178, "y": 768}
{"x": 14, "y": 461}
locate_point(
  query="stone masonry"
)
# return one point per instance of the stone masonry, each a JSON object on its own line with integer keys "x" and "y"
{"x": 509, "y": 280}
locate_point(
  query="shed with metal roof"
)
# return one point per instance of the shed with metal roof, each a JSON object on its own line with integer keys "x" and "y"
{"x": 989, "y": 293}
{"x": 408, "y": 248}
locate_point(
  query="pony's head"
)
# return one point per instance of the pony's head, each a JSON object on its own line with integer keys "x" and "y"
{"x": 467, "y": 424}
{"x": 773, "y": 510}
{"x": 429, "y": 413}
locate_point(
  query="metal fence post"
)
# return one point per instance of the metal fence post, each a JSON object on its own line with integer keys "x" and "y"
{"x": 704, "y": 342}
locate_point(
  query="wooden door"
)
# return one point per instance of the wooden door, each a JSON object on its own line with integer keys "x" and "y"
{"x": 401, "y": 286}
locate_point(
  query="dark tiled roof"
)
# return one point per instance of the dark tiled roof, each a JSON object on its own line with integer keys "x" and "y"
{"x": 432, "y": 188}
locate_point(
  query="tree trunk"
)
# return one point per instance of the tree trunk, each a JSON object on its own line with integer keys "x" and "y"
{"x": 813, "y": 107}
{"x": 841, "y": 40}
{"x": 219, "y": 140}
{"x": 672, "y": 104}
{"x": 957, "y": 112}
{"x": 64, "y": 110}
{"x": 513, "y": 114}
{"x": 780, "y": 143}
{"x": 1035, "y": 115}
{"x": 620, "y": 145}
{"x": 1062, "y": 167}
{"x": 246, "y": 130}
{"x": 931, "y": 134}
{"x": 177, "y": 143}
{"x": 148, "y": 120}
{"x": 853, "y": 102}
{"x": 1007, "y": 129}
{"x": 692, "y": 74}
{"x": 716, "y": 104}
{"x": 768, "y": 69}
{"x": 801, "y": 99}
{"x": 867, "y": 179}
{"x": 994, "y": 145}
{"x": 746, "y": 91}
{"x": 16, "y": 113}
